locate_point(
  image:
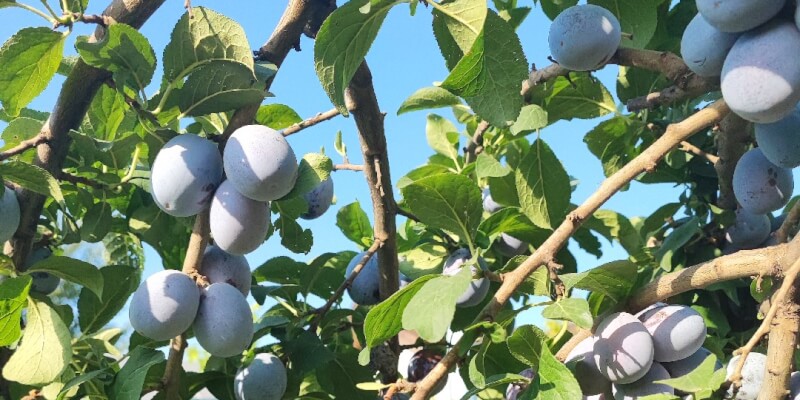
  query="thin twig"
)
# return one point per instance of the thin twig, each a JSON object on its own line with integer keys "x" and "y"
{"x": 307, "y": 123}
{"x": 24, "y": 145}
{"x": 348, "y": 167}
{"x": 475, "y": 145}
{"x": 75, "y": 179}
{"x": 692, "y": 149}
{"x": 789, "y": 225}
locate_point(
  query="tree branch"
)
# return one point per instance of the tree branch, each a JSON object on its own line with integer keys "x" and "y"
{"x": 24, "y": 146}
{"x": 475, "y": 145}
{"x": 646, "y": 161}
{"x": 320, "y": 117}
{"x": 348, "y": 167}
{"x": 732, "y": 140}
{"x": 789, "y": 225}
{"x": 692, "y": 149}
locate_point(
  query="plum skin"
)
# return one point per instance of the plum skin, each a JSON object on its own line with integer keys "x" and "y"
{"x": 760, "y": 78}
{"x": 794, "y": 382}
{"x": 264, "y": 379}
{"x": 185, "y": 174}
{"x": 489, "y": 205}
{"x": 749, "y": 231}
{"x": 780, "y": 141}
{"x": 319, "y": 199}
{"x": 513, "y": 390}
{"x": 586, "y": 373}
{"x": 584, "y": 37}
{"x": 238, "y": 224}
{"x": 164, "y": 305}
{"x": 260, "y": 163}
{"x": 624, "y": 348}
{"x": 704, "y": 47}
{"x": 421, "y": 364}
{"x": 365, "y": 289}
{"x": 759, "y": 185}
{"x": 478, "y": 288}
{"x": 752, "y": 375}
{"x": 738, "y": 15}
{"x": 219, "y": 266}
{"x": 645, "y": 385}
{"x": 224, "y": 323}
{"x": 9, "y": 214}
{"x": 677, "y": 331}
{"x": 510, "y": 246}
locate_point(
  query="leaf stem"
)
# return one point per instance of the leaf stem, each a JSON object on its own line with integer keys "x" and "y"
{"x": 134, "y": 161}
{"x": 36, "y": 11}
{"x": 50, "y": 9}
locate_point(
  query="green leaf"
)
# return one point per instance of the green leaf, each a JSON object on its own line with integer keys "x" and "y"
{"x": 543, "y": 186}
{"x": 552, "y": 8}
{"x": 13, "y": 297}
{"x": 582, "y": 96}
{"x": 442, "y": 136}
{"x": 32, "y": 178}
{"x": 18, "y": 130}
{"x": 487, "y": 166}
{"x": 313, "y": 169}
{"x": 446, "y": 201}
{"x": 431, "y": 323}
{"x": 293, "y": 236}
{"x": 45, "y": 350}
{"x": 676, "y": 240}
{"x": 277, "y": 116}
{"x": 123, "y": 51}
{"x": 613, "y": 225}
{"x": 556, "y": 382}
{"x": 509, "y": 221}
{"x": 697, "y": 380}
{"x": 537, "y": 283}
{"x": 386, "y": 319}
{"x": 570, "y": 309}
{"x": 219, "y": 86}
{"x": 354, "y": 224}
{"x": 637, "y": 17}
{"x": 614, "y": 141}
{"x": 612, "y": 279}
{"x": 464, "y": 20}
{"x": 526, "y": 344}
{"x": 130, "y": 378}
{"x": 493, "y": 382}
{"x": 106, "y": 113}
{"x": 76, "y": 271}
{"x": 428, "y": 98}
{"x": 422, "y": 260}
{"x": 96, "y": 222}
{"x": 204, "y": 37}
{"x": 343, "y": 41}
{"x": 30, "y": 58}
{"x": 531, "y": 118}
{"x": 119, "y": 282}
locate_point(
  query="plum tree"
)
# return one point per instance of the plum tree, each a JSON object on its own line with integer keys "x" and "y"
{"x": 677, "y": 331}
{"x": 185, "y": 174}
{"x": 780, "y": 141}
{"x": 224, "y": 323}
{"x": 704, "y": 47}
{"x": 623, "y": 350}
{"x": 9, "y": 213}
{"x": 264, "y": 379}
{"x": 738, "y": 15}
{"x": 489, "y": 204}
{"x": 421, "y": 364}
{"x": 749, "y": 230}
{"x": 365, "y": 289}
{"x": 513, "y": 390}
{"x": 260, "y": 163}
{"x": 752, "y": 376}
{"x": 645, "y": 385}
{"x": 164, "y": 305}
{"x": 584, "y": 37}
{"x": 238, "y": 224}
{"x": 478, "y": 288}
{"x": 581, "y": 358}
{"x": 319, "y": 199}
{"x": 219, "y": 266}
{"x": 683, "y": 367}
{"x": 760, "y": 80}
{"x": 759, "y": 185}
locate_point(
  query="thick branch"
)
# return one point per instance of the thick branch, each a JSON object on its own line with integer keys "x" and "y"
{"x": 23, "y": 146}
{"x": 320, "y": 117}
{"x": 789, "y": 225}
{"x": 732, "y": 140}
{"x": 646, "y": 161}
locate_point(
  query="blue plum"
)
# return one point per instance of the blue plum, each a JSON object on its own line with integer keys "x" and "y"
{"x": 586, "y": 373}
{"x": 365, "y": 289}
{"x": 421, "y": 364}
{"x": 644, "y": 386}
{"x": 749, "y": 230}
{"x": 738, "y": 15}
{"x": 224, "y": 323}
{"x": 260, "y": 163}
{"x": 488, "y": 202}
{"x": 752, "y": 376}
{"x": 623, "y": 351}
{"x": 319, "y": 199}
{"x": 759, "y": 185}
{"x": 478, "y": 288}
{"x": 677, "y": 331}
{"x": 219, "y": 266}
{"x": 513, "y": 390}
{"x": 264, "y": 379}
{"x": 510, "y": 246}
{"x": 164, "y": 305}
{"x": 584, "y": 37}
{"x": 9, "y": 214}
{"x": 238, "y": 224}
{"x": 704, "y": 47}
{"x": 780, "y": 141}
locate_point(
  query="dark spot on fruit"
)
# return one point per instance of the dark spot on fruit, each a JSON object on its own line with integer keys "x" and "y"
{"x": 772, "y": 182}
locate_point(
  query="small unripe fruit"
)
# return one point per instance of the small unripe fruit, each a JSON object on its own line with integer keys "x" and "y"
{"x": 586, "y": 373}
{"x": 365, "y": 289}
{"x": 478, "y": 288}
{"x": 584, "y": 37}
{"x": 238, "y": 224}
{"x": 164, "y": 305}
{"x": 9, "y": 214}
{"x": 749, "y": 231}
{"x": 319, "y": 199}
{"x": 224, "y": 323}
{"x": 645, "y": 386}
{"x": 780, "y": 141}
{"x": 489, "y": 204}
{"x": 738, "y": 15}
{"x": 759, "y": 185}
{"x": 219, "y": 266}
{"x": 185, "y": 174}
{"x": 260, "y": 163}
{"x": 513, "y": 390}
{"x": 704, "y": 47}
{"x": 677, "y": 331}
{"x": 752, "y": 376}
{"x": 623, "y": 351}
{"x": 264, "y": 379}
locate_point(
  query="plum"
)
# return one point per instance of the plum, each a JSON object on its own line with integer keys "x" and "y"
{"x": 513, "y": 390}
{"x": 623, "y": 350}
{"x": 264, "y": 379}
{"x": 260, "y": 163}
{"x": 421, "y": 364}
{"x": 489, "y": 204}
{"x": 780, "y": 141}
{"x": 224, "y": 323}
{"x": 749, "y": 230}
{"x": 760, "y": 77}
{"x": 704, "y": 47}
{"x": 586, "y": 373}
{"x": 365, "y": 289}
{"x": 645, "y": 385}
{"x": 164, "y": 305}
{"x": 738, "y": 15}
{"x": 794, "y": 386}
{"x": 683, "y": 367}
{"x": 478, "y": 288}
{"x": 759, "y": 185}
{"x": 9, "y": 214}
{"x": 43, "y": 282}
{"x": 219, "y": 266}
{"x": 238, "y": 224}
{"x": 185, "y": 174}
{"x": 752, "y": 376}
{"x": 584, "y": 37}
{"x": 677, "y": 331}
{"x": 510, "y": 246}
{"x": 319, "y": 199}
